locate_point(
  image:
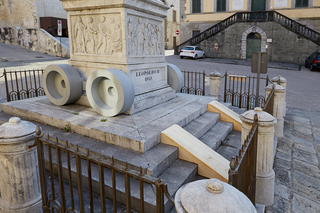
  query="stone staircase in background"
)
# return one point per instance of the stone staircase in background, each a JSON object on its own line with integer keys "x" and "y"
{"x": 160, "y": 161}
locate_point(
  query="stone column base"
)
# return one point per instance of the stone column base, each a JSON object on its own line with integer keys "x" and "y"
{"x": 278, "y": 128}
{"x": 265, "y": 189}
{"x": 34, "y": 208}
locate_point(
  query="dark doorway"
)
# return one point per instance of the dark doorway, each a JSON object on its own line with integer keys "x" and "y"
{"x": 253, "y": 44}
{"x": 258, "y": 5}
{"x": 174, "y": 41}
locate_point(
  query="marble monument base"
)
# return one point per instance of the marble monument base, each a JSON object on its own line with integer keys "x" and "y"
{"x": 142, "y": 101}
{"x": 139, "y": 132}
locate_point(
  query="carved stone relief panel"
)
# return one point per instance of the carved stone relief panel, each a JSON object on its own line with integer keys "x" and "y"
{"x": 144, "y": 36}
{"x": 97, "y": 34}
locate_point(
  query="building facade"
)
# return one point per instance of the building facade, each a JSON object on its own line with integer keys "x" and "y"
{"x": 172, "y": 34}
{"x": 241, "y": 39}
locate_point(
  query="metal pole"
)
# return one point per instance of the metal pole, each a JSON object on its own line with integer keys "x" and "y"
{"x": 60, "y": 47}
{"x": 258, "y": 80}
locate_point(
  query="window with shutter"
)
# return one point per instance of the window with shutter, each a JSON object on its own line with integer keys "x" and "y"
{"x": 174, "y": 16}
{"x": 196, "y": 6}
{"x": 221, "y": 5}
{"x": 302, "y": 3}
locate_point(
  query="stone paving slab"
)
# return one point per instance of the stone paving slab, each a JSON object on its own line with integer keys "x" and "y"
{"x": 139, "y": 132}
{"x": 297, "y": 167}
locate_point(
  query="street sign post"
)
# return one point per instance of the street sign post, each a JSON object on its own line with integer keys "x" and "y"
{"x": 60, "y": 34}
{"x": 259, "y": 64}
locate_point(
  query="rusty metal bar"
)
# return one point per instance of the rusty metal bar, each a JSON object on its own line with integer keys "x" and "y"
{"x": 225, "y": 87}
{"x": 102, "y": 186}
{"x": 79, "y": 179}
{"x": 90, "y": 183}
{"x": 70, "y": 178}
{"x": 51, "y": 171}
{"x": 60, "y": 175}
{"x": 128, "y": 192}
{"x": 114, "y": 188}
{"x": 6, "y": 83}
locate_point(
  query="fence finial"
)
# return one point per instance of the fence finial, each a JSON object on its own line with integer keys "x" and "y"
{"x": 233, "y": 163}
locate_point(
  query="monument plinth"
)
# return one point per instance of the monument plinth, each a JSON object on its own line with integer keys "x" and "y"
{"x": 127, "y": 35}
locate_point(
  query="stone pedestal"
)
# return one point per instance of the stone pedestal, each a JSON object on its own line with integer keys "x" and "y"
{"x": 215, "y": 85}
{"x": 20, "y": 183}
{"x": 278, "y": 107}
{"x": 211, "y": 196}
{"x": 127, "y": 35}
{"x": 283, "y": 83}
{"x": 265, "y": 173}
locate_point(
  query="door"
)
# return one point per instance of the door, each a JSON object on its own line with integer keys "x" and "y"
{"x": 253, "y": 44}
{"x": 258, "y": 5}
{"x": 174, "y": 41}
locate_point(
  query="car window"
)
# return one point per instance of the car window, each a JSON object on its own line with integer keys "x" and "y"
{"x": 188, "y": 48}
{"x": 197, "y": 48}
{"x": 318, "y": 57}
{"x": 313, "y": 56}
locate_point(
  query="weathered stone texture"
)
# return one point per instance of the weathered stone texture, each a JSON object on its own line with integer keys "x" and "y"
{"x": 26, "y": 13}
{"x": 286, "y": 46}
{"x": 34, "y": 39}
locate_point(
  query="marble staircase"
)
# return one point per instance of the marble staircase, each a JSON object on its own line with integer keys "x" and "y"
{"x": 160, "y": 160}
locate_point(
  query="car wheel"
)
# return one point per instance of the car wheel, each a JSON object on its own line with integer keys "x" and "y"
{"x": 311, "y": 68}
{"x": 195, "y": 57}
{"x": 204, "y": 55}
{"x": 181, "y": 57}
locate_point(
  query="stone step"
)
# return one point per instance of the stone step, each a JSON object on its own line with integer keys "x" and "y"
{"x": 202, "y": 124}
{"x": 154, "y": 162}
{"x": 175, "y": 176}
{"x": 231, "y": 146}
{"x": 235, "y": 109}
{"x": 139, "y": 132}
{"x": 216, "y": 135}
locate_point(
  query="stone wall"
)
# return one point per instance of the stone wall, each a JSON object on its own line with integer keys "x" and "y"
{"x": 33, "y": 39}
{"x": 286, "y": 46}
{"x": 186, "y": 28}
{"x": 18, "y": 13}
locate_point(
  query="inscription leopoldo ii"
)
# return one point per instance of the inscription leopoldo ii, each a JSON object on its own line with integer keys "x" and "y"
{"x": 147, "y": 74}
{"x": 142, "y": 77}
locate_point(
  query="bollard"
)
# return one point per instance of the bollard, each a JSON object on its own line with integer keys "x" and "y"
{"x": 283, "y": 83}
{"x": 211, "y": 196}
{"x": 265, "y": 174}
{"x": 20, "y": 182}
{"x": 278, "y": 107}
{"x": 215, "y": 85}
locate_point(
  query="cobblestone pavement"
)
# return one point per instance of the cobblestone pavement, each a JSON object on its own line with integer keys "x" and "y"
{"x": 297, "y": 185}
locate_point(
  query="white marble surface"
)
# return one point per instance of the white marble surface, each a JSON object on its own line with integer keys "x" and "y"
{"x": 265, "y": 174}
{"x": 20, "y": 183}
{"x": 211, "y": 196}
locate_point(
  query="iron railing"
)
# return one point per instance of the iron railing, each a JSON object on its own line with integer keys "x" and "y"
{"x": 23, "y": 84}
{"x": 194, "y": 83}
{"x": 240, "y": 91}
{"x": 56, "y": 151}
{"x": 262, "y": 16}
{"x": 269, "y": 102}
{"x": 242, "y": 172}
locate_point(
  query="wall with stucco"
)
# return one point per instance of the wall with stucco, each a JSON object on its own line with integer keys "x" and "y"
{"x": 33, "y": 39}
{"x": 18, "y": 13}
{"x": 172, "y": 26}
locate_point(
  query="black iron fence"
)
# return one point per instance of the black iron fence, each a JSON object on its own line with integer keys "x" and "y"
{"x": 242, "y": 172}
{"x": 23, "y": 84}
{"x": 194, "y": 83}
{"x": 240, "y": 90}
{"x": 68, "y": 163}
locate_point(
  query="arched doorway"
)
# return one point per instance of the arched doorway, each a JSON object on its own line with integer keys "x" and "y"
{"x": 253, "y": 44}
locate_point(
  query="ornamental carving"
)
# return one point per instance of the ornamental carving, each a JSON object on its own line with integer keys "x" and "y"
{"x": 97, "y": 34}
{"x": 144, "y": 37}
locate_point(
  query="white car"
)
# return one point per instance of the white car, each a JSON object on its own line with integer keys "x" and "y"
{"x": 192, "y": 51}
